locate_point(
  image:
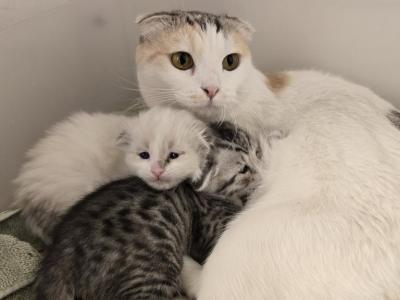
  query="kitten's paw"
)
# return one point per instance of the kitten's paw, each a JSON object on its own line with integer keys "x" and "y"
{"x": 191, "y": 276}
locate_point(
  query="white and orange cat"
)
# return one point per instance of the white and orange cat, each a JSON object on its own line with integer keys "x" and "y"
{"x": 326, "y": 224}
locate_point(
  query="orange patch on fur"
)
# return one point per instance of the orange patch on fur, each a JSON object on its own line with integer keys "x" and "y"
{"x": 277, "y": 81}
{"x": 166, "y": 43}
{"x": 242, "y": 44}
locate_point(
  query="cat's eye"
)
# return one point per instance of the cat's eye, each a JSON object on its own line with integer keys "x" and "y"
{"x": 244, "y": 170}
{"x": 144, "y": 155}
{"x": 173, "y": 155}
{"x": 182, "y": 60}
{"x": 231, "y": 62}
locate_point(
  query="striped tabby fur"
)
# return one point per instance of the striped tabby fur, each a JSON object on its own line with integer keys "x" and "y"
{"x": 127, "y": 240}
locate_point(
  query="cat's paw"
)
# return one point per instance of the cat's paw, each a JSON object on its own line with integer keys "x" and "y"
{"x": 191, "y": 276}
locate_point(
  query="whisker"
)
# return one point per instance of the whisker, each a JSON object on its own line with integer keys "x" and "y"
{"x": 135, "y": 107}
{"x": 156, "y": 88}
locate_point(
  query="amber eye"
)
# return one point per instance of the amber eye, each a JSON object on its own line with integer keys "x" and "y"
{"x": 231, "y": 62}
{"x": 182, "y": 60}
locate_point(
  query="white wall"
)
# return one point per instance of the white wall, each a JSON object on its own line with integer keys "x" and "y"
{"x": 59, "y": 56}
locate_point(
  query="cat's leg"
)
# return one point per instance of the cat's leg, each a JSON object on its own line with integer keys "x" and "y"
{"x": 191, "y": 276}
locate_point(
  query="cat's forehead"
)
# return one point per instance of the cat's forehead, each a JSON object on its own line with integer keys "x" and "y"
{"x": 196, "y": 31}
{"x": 228, "y": 156}
{"x": 166, "y": 128}
{"x": 164, "y": 137}
{"x": 173, "y": 20}
{"x": 162, "y": 144}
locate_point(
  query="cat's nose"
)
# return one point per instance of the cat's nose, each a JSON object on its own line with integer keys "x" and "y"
{"x": 210, "y": 91}
{"x": 157, "y": 171}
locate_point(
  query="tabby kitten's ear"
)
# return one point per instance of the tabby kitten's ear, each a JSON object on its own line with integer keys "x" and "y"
{"x": 229, "y": 132}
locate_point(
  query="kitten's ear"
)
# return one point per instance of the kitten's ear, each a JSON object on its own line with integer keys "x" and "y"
{"x": 229, "y": 132}
{"x": 124, "y": 140}
{"x": 244, "y": 28}
{"x": 151, "y": 24}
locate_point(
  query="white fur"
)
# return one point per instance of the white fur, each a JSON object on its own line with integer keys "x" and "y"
{"x": 326, "y": 223}
{"x": 83, "y": 152}
{"x": 160, "y": 131}
{"x": 191, "y": 273}
{"x": 163, "y": 84}
{"x": 76, "y": 156}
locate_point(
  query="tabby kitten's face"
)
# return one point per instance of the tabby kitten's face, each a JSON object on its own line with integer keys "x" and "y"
{"x": 194, "y": 60}
{"x": 234, "y": 172}
{"x": 165, "y": 146}
{"x": 232, "y": 168}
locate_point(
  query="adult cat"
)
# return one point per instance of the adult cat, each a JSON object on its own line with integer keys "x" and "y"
{"x": 327, "y": 223}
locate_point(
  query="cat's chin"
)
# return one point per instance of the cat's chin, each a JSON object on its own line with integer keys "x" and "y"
{"x": 205, "y": 110}
{"x": 161, "y": 185}
{"x": 208, "y": 113}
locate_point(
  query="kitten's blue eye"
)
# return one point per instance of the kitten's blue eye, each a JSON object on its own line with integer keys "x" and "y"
{"x": 144, "y": 155}
{"x": 173, "y": 155}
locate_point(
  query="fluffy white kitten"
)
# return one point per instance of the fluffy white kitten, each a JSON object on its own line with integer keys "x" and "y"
{"x": 164, "y": 146}
{"x": 326, "y": 224}
{"x": 87, "y": 150}
{"x": 74, "y": 158}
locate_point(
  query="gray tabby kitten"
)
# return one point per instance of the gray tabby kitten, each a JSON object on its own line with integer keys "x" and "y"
{"x": 127, "y": 240}
{"x": 232, "y": 152}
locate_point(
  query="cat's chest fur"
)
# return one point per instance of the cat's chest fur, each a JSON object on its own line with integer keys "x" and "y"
{"x": 264, "y": 103}
{"x": 328, "y": 213}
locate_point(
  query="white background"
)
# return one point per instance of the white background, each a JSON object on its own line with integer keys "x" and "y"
{"x": 60, "y": 56}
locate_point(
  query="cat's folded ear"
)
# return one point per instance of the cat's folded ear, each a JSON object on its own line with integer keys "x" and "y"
{"x": 244, "y": 28}
{"x": 124, "y": 140}
{"x": 151, "y": 24}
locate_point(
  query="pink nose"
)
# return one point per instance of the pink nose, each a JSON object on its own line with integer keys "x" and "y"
{"x": 210, "y": 91}
{"x": 157, "y": 171}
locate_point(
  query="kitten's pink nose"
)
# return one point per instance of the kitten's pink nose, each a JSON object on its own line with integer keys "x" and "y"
{"x": 157, "y": 171}
{"x": 210, "y": 91}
